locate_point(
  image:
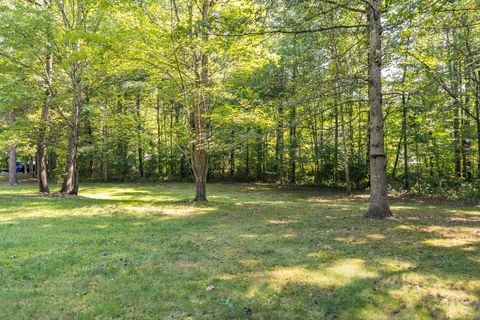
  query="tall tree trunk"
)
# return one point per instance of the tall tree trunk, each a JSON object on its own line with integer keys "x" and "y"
{"x": 477, "y": 110}
{"x": 159, "y": 136}
{"x": 105, "y": 146}
{"x": 247, "y": 161}
{"x": 200, "y": 153}
{"x": 42, "y": 172}
{"x": 232, "y": 162}
{"x": 405, "y": 143}
{"x": 71, "y": 179}
{"x": 30, "y": 167}
{"x": 379, "y": 207}
{"x": 279, "y": 148}
{"x": 232, "y": 156}
{"x": 139, "y": 135}
{"x": 346, "y": 163}
{"x": 315, "y": 147}
{"x": 293, "y": 120}
{"x": 335, "y": 151}
{"x": 12, "y": 165}
{"x": 456, "y": 141}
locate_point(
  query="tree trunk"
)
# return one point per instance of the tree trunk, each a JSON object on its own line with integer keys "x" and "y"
{"x": 139, "y": 136}
{"x": 348, "y": 186}
{"x": 477, "y": 110}
{"x": 397, "y": 156}
{"x": 30, "y": 167}
{"x": 335, "y": 151}
{"x": 105, "y": 146}
{"x": 405, "y": 143}
{"x": 293, "y": 120}
{"x": 456, "y": 142}
{"x": 42, "y": 134}
{"x": 232, "y": 157}
{"x": 200, "y": 153}
{"x": 279, "y": 144}
{"x": 379, "y": 207}
{"x": 159, "y": 136}
{"x": 12, "y": 165}
{"x": 71, "y": 179}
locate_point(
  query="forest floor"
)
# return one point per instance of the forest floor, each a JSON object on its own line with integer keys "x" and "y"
{"x": 143, "y": 251}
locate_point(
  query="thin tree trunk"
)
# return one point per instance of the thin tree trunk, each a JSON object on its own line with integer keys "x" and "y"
{"x": 379, "y": 207}
{"x": 232, "y": 162}
{"x": 71, "y": 179}
{"x": 247, "y": 161}
{"x": 30, "y": 167}
{"x": 348, "y": 185}
{"x": 397, "y": 156}
{"x": 42, "y": 172}
{"x": 477, "y": 120}
{"x": 456, "y": 142}
{"x": 335, "y": 151}
{"x": 104, "y": 144}
{"x": 405, "y": 144}
{"x": 139, "y": 136}
{"x": 293, "y": 121}
{"x": 279, "y": 144}
{"x": 159, "y": 136}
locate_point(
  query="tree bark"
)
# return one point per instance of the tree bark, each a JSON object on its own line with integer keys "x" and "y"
{"x": 477, "y": 110}
{"x": 159, "y": 136}
{"x": 379, "y": 207}
{"x": 71, "y": 179}
{"x": 42, "y": 134}
{"x": 232, "y": 157}
{"x": 12, "y": 165}
{"x": 279, "y": 148}
{"x": 293, "y": 148}
{"x": 139, "y": 136}
{"x": 200, "y": 153}
{"x": 348, "y": 185}
{"x": 405, "y": 144}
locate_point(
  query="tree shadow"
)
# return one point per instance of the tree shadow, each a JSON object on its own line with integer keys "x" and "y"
{"x": 293, "y": 259}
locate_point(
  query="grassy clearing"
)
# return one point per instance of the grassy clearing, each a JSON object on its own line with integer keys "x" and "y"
{"x": 132, "y": 251}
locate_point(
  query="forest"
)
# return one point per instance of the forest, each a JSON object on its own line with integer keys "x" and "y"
{"x": 195, "y": 106}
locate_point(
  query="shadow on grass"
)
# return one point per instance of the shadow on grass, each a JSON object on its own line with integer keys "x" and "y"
{"x": 138, "y": 258}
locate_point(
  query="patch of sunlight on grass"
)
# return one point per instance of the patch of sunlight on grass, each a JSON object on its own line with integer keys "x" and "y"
{"x": 449, "y": 243}
{"x": 249, "y": 236}
{"x": 253, "y": 203}
{"x": 319, "y": 200}
{"x": 455, "y": 303}
{"x": 397, "y": 207}
{"x": 179, "y": 210}
{"x": 351, "y": 240}
{"x": 339, "y": 274}
{"x": 395, "y": 265}
{"x": 320, "y": 254}
{"x": 375, "y": 236}
{"x": 281, "y": 222}
{"x": 372, "y": 312}
{"x": 130, "y": 194}
{"x": 138, "y": 251}
{"x": 473, "y": 212}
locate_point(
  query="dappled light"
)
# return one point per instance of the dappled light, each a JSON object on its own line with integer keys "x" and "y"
{"x": 145, "y": 248}
{"x": 341, "y": 273}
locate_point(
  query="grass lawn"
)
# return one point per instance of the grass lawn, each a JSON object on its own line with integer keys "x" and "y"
{"x": 142, "y": 251}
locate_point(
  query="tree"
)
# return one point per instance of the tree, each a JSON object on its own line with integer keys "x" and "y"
{"x": 379, "y": 207}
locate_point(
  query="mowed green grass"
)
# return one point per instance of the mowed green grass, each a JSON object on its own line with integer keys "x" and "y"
{"x": 142, "y": 251}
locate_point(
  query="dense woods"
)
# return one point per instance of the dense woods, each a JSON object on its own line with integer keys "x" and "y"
{"x": 353, "y": 94}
